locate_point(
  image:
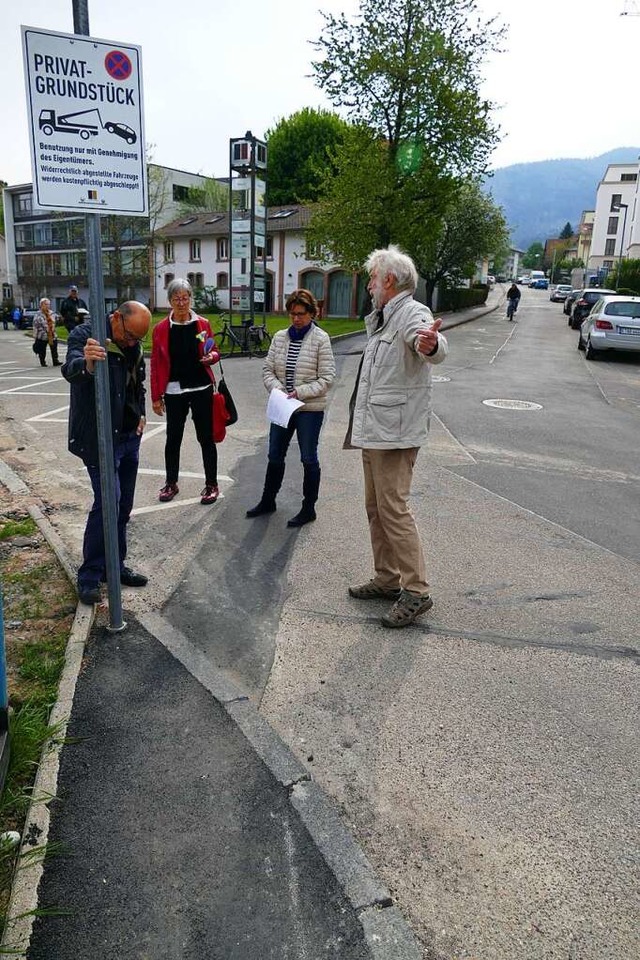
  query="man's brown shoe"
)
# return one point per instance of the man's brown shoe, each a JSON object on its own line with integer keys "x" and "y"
{"x": 406, "y": 608}
{"x": 371, "y": 591}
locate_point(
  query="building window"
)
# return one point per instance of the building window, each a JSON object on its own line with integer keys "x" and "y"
{"x": 616, "y": 200}
{"x": 168, "y": 278}
{"x": 180, "y": 193}
{"x": 222, "y": 281}
{"x": 222, "y": 248}
{"x": 194, "y": 250}
{"x": 313, "y": 251}
{"x": 613, "y": 225}
{"x": 22, "y": 204}
{"x": 607, "y": 264}
{"x": 609, "y": 248}
{"x": 168, "y": 251}
{"x": 199, "y": 279}
{"x": 191, "y": 278}
{"x": 628, "y": 177}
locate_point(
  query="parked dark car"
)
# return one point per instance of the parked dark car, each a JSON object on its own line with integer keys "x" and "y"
{"x": 584, "y": 302}
{"x": 571, "y": 298}
{"x": 27, "y": 319}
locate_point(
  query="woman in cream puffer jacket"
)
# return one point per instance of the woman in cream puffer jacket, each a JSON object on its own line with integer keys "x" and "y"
{"x": 300, "y": 362}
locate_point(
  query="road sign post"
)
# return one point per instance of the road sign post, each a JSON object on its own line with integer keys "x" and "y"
{"x": 87, "y": 152}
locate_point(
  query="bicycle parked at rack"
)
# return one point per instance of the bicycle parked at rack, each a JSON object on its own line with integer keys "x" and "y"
{"x": 242, "y": 340}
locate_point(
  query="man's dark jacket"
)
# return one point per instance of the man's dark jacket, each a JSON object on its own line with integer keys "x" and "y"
{"x": 83, "y": 429}
{"x": 69, "y": 311}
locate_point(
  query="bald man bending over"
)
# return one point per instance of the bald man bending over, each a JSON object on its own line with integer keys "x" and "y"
{"x": 126, "y": 329}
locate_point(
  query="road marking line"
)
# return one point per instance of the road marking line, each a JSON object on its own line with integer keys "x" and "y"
{"x": 44, "y": 417}
{"x": 168, "y": 506}
{"x": 151, "y": 433}
{"x": 184, "y": 475}
{"x": 41, "y": 393}
{"x": 455, "y": 440}
{"x": 36, "y": 384}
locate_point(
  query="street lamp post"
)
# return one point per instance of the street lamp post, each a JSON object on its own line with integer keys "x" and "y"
{"x": 618, "y": 207}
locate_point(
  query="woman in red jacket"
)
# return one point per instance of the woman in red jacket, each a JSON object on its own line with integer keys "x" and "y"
{"x": 182, "y": 380}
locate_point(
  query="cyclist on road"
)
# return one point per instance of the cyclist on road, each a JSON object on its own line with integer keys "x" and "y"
{"x": 513, "y": 299}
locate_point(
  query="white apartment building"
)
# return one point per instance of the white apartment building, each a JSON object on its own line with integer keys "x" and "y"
{"x": 196, "y": 248}
{"x": 616, "y": 231}
{"x": 45, "y": 249}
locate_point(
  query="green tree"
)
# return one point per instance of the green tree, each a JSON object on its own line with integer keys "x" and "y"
{"x": 625, "y": 276}
{"x": 472, "y": 228}
{"x": 532, "y": 259}
{"x": 567, "y": 232}
{"x": 411, "y": 71}
{"x": 301, "y": 150}
{"x": 420, "y": 130}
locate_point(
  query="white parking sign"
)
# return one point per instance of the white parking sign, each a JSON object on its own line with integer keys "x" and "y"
{"x": 85, "y": 123}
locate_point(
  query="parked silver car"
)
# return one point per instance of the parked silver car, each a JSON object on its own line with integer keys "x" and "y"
{"x": 612, "y": 324}
{"x": 561, "y": 292}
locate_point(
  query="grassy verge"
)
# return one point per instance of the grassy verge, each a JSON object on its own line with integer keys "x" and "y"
{"x": 39, "y": 604}
{"x": 333, "y": 325}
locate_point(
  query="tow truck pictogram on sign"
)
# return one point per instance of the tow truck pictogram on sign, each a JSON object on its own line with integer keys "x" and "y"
{"x": 86, "y": 123}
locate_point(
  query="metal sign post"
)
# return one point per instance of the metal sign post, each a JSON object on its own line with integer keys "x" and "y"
{"x": 87, "y": 150}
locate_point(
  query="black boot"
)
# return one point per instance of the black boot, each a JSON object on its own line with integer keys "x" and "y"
{"x": 272, "y": 483}
{"x": 310, "y": 487}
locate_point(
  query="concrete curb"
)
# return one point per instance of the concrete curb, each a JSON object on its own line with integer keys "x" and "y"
{"x": 386, "y": 932}
{"x": 24, "y": 892}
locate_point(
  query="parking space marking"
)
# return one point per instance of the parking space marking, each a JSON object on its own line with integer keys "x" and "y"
{"x": 169, "y": 506}
{"x": 148, "y": 433}
{"x": 48, "y": 417}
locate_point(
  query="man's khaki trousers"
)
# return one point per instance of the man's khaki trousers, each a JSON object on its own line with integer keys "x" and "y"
{"x": 398, "y": 558}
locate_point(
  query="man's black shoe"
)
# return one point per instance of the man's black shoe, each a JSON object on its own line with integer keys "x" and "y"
{"x": 89, "y": 595}
{"x": 130, "y": 579}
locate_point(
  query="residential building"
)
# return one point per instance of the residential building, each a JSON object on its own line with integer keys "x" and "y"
{"x": 585, "y": 235}
{"x": 46, "y": 249}
{"x": 196, "y": 247}
{"x": 615, "y": 231}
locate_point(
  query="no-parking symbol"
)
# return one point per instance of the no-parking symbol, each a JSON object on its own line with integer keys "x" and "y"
{"x": 118, "y": 65}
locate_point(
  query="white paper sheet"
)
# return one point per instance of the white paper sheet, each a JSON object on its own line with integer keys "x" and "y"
{"x": 280, "y": 407}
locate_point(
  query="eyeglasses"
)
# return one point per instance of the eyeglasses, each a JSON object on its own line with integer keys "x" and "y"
{"x": 176, "y": 298}
{"x": 129, "y": 337}
{"x": 297, "y": 313}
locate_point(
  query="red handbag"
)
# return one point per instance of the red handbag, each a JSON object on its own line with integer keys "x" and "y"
{"x": 220, "y": 416}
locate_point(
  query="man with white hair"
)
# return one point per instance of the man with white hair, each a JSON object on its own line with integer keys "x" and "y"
{"x": 390, "y": 410}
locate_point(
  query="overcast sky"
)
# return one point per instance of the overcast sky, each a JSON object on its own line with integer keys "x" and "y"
{"x": 564, "y": 87}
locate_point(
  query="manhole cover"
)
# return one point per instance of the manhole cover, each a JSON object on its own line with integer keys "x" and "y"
{"x": 440, "y": 379}
{"x": 513, "y": 404}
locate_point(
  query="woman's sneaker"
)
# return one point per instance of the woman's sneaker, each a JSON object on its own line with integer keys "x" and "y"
{"x": 210, "y": 493}
{"x": 168, "y": 492}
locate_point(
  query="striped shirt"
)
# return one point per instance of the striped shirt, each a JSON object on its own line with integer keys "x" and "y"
{"x": 290, "y": 371}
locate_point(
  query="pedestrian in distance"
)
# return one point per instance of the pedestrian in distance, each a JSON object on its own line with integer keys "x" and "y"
{"x": 300, "y": 362}
{"x": 16, "y": 315}
{"x": 69, "y": 309}
{"x": 513, "y": 299}
{"x": 126, "y": 329}
{"x": 44, "y": 333}
{"x": 390, "y": 410}
{"x": 182, "y": 354}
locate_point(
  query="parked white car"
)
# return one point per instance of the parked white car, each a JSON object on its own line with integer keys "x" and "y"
{"x": 612, "y": 324}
